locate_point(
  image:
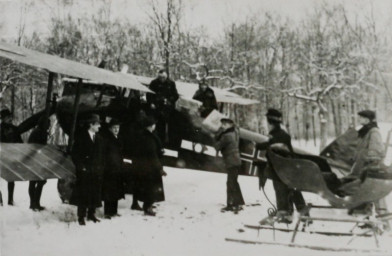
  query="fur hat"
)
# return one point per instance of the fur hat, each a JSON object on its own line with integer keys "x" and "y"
{"x": 369, "y": 114}
{"x": 274, "y": 115}
{"x": 203, "y": 81}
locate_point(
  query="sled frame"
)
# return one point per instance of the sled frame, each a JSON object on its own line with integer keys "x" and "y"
{"x": 373, "y": 227}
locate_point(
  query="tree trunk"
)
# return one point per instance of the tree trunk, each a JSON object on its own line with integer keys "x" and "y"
{"x": 353, "y": 113}
{"x": 314, "y": 126}
{"x": 13, "y": 91}
{"x": 306, "y": 122}
{"x": 336, "y": 115}
{"x": 288, "y": 115}
{"x": 296, "y": 120}
{"x": 323, "y": 128}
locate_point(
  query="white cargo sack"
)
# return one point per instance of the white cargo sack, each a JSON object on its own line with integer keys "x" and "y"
{"x": 212, "y": 121}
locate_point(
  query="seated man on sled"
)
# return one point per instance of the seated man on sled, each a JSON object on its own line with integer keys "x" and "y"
{"x": 368, "y": 157}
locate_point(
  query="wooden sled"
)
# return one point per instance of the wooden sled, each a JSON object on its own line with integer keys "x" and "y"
{"x": 305, "y": 174}
{"x": 371, "y": 231}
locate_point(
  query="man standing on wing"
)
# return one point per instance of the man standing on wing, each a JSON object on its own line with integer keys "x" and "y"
{"x": 206, "y": 96}
{"x": 162, "y": 103}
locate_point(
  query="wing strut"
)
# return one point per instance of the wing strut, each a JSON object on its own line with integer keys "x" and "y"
{"x": 48, "y": 101}
{"x": 75, "y": 114}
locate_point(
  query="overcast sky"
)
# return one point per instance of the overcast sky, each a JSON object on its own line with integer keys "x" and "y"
{"x": 212, "y": 14}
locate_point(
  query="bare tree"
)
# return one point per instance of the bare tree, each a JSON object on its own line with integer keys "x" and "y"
{"x": 166, "y": 20}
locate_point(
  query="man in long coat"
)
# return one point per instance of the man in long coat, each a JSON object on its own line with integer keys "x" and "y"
{"x": 9, "y": 134}
{"x": 148, "y": 166}
{"x": 285, "y": 197}
{"x": 206, "y": 96}
{"x": 227, "y": 141}
{"x": 369, "y": 156}
{"x": 88, "y": 156}
{"x": 113, "y": 186}
{"x": 39, "y": 136}
{"x": 370, "y": 148}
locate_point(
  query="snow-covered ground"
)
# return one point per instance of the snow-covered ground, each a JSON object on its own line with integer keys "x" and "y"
{"x": 189, "y": 222}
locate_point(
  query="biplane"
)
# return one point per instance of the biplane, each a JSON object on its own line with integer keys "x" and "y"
{"x": 91, "y": 89}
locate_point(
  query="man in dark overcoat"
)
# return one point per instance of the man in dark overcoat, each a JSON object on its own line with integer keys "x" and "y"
{"x": 113, "y": 186}
{"x": 162, "y": 103}
{"x": 285, "y": 197}
{"x": 39, "y": 136}
{"x": 147, "y": 164}
{"x": 227, "y": 142}
{"x": 206, "y": 96}
{"x": 88, "y": 155}
{"x": 9, "y": 134}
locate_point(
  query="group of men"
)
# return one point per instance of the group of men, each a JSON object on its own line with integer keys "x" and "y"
{"x": 98, "y": 155}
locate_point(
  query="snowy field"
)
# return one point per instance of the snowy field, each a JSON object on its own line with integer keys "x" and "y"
{"x": 189, "y": 222}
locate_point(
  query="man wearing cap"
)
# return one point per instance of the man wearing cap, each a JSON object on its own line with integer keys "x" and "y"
{"x": 206, "y": 96}
{"x": 370, "y": 150}
{"x": 285, "y": 196}
{"x": 148, "y": 166}
{"x": 227, "y": 141}
{"x": 88, "y": 156}
{"x": 9, "y": 134}
{"x": 162, "y": 102}
{"x": 113, "y": 186}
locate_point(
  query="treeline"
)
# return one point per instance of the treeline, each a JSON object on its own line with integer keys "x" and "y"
{"x": 319, "y": 71}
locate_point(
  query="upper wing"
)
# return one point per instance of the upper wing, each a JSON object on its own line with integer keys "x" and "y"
{"x": 67, "y": 67}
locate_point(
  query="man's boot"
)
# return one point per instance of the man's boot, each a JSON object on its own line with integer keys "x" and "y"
{"x": 11, "y": 187}
{"x": 135, "y": 206}
{"x": 81, "y": 221}
{"x": 38, "y": 193}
